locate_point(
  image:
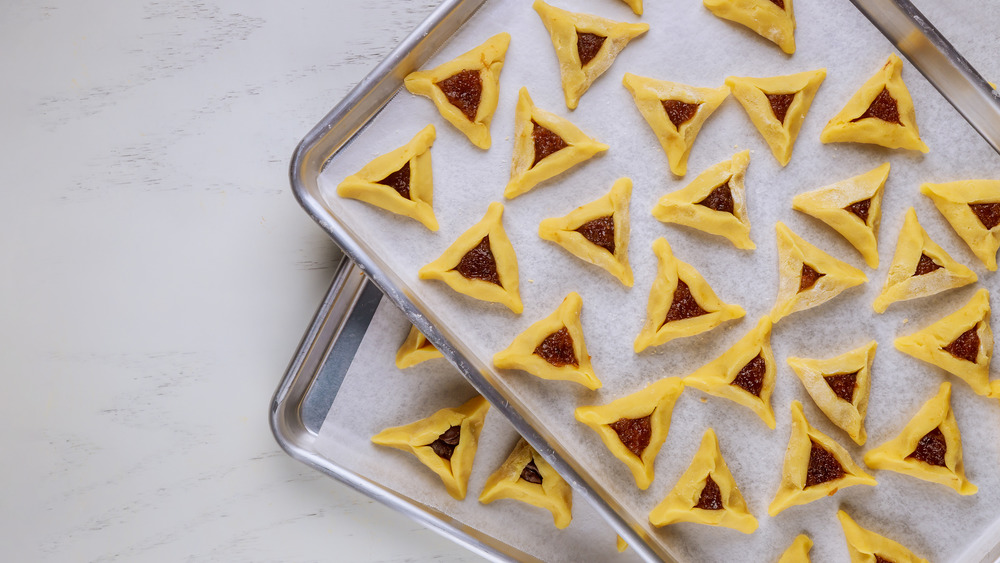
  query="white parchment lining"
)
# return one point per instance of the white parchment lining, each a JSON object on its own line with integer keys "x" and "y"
{"x": 687, "y": 44}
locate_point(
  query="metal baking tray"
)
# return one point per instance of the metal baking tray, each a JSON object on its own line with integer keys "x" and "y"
{"x": 306, "y": 396}
{"x": 334, "y": 132}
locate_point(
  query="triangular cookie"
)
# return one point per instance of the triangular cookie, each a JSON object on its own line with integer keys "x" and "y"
{"x": 445, "y": 442}
{"x": 778, "y": 105}
{"x": 715, "y": 202}
{"x": 961, "y": 343}
{"x": 919, "y": 267}
{"x": 527, "y": 477}
{"x": 681, "y": 303}
{"x": 798, "y": 552}
{"x": 807, "y": 276}
{"x": 675, "y": 112}
{"x": 399, "y": 181}
{"x": 972, "y": 207}
{"x": 706, "y": 493}
{"x": 815, "y": 466}
{"x": 773, "y": 20}
{"x": 597, "y": 232}
{"x": 466, "y": 89}
{"x": 743, "y": 374}
{"x": 415, "y": 349}
{"x": 929, "y": 447}
{"x": 880, "y": 113}
{"x": 545, "y": 145}
{"x": 634, "y": 427}
{"x": 866, "y": 546}
{"x": 852, "y": 207}
{"x": 585, "y": 46}
{"x": 839, "y": 386}
{"x": 481, "y": 263}
{"x": 553, "y": 348}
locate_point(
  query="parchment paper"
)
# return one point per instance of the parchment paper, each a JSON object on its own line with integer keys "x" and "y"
{"x": 687, "y": 44}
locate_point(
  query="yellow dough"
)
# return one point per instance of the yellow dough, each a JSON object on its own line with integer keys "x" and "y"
{"x": 536, "y": 130}
{"x": 577, "y": 231}
{"x": 409, "y": 168}
{"x": 798, "y": 552}
{"x": 621, "y": 545}
{"x": 485, "y": 242}
{"x": 880, "y": 113}
{"x": 865, "y": 545}
{"x": 798, "y": 264}
{"x": 852, "y": 207}
{"x": 644, "y": 417}
{"x": 743, "y": 374}
{"x": 695, "y": 499}
{"x": 772, "y": 20}
{"x": 919, "y": 267}
{"x": 636, "y": 6}
{"x": 715, "y": 202}
{"x": 801, "y": 481}
{"x": 777, "y": 106}
{"x": 570, "y": 31}
{"x": 972, "y": 207}
{"x": 916, "y": 450}
{"x": 480, "y": 65}
{"x": 839, "y": 386}
{"x": 675, "y": 112}
{"x": 961, "y": 343}
{"x": 415, "y": 349}
{"x": 527, "y": 477}
{"x": 422, "y": 437}
{"x": 559, "y": 336}
{"x": 677, "y": 292}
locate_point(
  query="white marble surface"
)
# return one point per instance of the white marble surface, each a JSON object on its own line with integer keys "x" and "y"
{"x": 158, "y": 274}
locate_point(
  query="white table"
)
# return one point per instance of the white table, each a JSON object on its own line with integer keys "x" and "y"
{"x": 158, "y": 274}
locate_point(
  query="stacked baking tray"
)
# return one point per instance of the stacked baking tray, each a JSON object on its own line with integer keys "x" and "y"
{"x": 306, "y": 415}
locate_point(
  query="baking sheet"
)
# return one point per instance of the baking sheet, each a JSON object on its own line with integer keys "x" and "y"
{"x": 932, "y": 520}
{"x": 375, "y": 395}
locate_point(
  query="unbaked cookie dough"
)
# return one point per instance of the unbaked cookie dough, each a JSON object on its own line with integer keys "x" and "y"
{"x": 445, "y": 442}
{"x": 715, "y": 202}
{"x": 681, "y": 303}
{"x": 634, "y": 427}
{"x": 465, "y": 90}
{"x": 815, "y": 466}
{"x": 597, "y": 232}
{"x": 852, "y": 207}
{"x": 706, "y": 493}
{"x": 553, "y": 348}
{"x": 929, "y": 447}
{"x": 481, "y": 263}
{"x": 527, "y": 477}
{"x": 585, "y": 46}
{"x": 880, "y": 113}
{"x": 675, "y": 112}
{"x": 399, "y": 181}
{"x": 777, "y": 106}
